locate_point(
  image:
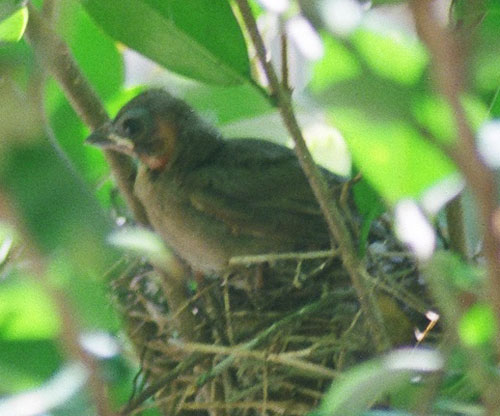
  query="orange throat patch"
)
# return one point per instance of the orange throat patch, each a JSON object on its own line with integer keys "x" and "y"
{"x": 168, "y": 134}
{"x": 155, "y": 162}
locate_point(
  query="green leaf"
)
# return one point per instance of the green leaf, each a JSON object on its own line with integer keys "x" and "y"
{"x": 377, "y": 97}
{"x": 8, "y": 7}
{"x": 12, "y": 28}
{"x": 26, "y": 312}
{"x": 202, "y": 41}
{"x": 370, "y": 206}
{"x": 436, "y": 116}
{"x": 360, "y": 387}
{"x": 228, "y": 104}
{"x": 393, "y": 56}
{"x": 395, "y": 159}
{"x": 57, "y": 209}
{"x": 337, "y": 64}
{"x": 26, "y": 363}
{"x": 86, "y": 293}
{"x": 478, "y": 325}
{"x": 486, "y": 52}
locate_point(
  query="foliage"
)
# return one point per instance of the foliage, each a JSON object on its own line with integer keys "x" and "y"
{"x": 376, "y": 85}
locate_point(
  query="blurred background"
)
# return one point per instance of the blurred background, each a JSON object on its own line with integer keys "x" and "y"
{"x": 364, "y": 93}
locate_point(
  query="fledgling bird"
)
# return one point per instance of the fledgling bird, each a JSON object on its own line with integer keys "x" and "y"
{"x": 209, "y": 198}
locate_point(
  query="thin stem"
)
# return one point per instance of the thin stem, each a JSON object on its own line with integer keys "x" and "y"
{"x": 284, "y": 56}
{"x": 334, "y": 219}
{"x": 449, "y": 70}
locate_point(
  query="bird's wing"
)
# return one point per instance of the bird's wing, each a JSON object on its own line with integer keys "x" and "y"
{"x": 258, "y": 188}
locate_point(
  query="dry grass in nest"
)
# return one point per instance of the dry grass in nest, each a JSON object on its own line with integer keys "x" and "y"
{"x": 271, "y": 337}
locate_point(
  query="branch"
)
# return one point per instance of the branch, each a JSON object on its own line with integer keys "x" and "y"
{"x": 330, "y": 209}
{"x": 449, "y": 70}
{"x": 58, "y": 60}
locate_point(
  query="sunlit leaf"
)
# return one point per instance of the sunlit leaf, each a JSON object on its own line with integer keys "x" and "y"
{"x": 337, "y": 64}
{"x": 26, "y": 312}
{"x": 478, "y": 325}
{"x": 436, "y": 115}
{"x": 393, "y": 157}
{"x": 12, "y": 28}
{"x": 202, "y": 41}
{"x": 394, "y": 56}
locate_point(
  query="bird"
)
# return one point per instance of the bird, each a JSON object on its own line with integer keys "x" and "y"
{"x": 211, "y": 198}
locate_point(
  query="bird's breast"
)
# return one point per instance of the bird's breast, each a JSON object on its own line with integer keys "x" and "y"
{"x": 195, "y": 237}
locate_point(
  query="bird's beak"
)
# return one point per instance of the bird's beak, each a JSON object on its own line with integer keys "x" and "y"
{"x": 105, "y": 138}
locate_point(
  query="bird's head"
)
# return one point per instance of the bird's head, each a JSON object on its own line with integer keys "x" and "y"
{"x": 156, "y": 128}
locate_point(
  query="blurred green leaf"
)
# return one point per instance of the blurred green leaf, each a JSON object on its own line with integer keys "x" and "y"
{"x": 26, "y": 363}
{"x": 455, "y": 407}
{"x": 370, "y": 206}
{"x": 396, "y": 160}
{"x": 228, "y": 104}
{"x": 53, "y": 393}
{"x": 393, "y": 56}
{"x": 202, "y": 41}
{"x": 379, "y": 98}
{"x": 361, "y": 386}
{"x": 12, "y": 28}
{"x": 468, "y": 15}
{"x": 435, "y": 115}
{"x": 338, "y": 64}
{"x": 57, "y": 209}
{"x": 8, "y": 7}
{"x": 478, "y": 325}
{"x": 484, "y": 23}
{"x": 86, "y": 292}
{"x": 26, "y": 312}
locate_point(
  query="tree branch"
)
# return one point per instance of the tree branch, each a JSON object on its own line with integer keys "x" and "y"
{"x": 449, "y": 70}
{"x": 58, "y": 60}
{"x": 331, "y": 211}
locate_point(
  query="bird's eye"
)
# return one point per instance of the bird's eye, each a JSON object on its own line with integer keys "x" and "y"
{"x": 132, "y": 126}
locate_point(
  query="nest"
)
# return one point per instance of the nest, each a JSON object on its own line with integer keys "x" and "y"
{"x": 271, "y": 336}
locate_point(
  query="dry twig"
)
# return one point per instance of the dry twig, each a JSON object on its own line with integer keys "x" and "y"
{"x": 336, "y": 224}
